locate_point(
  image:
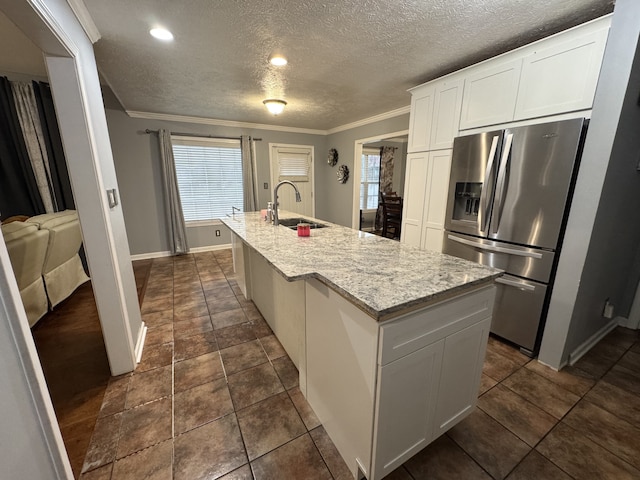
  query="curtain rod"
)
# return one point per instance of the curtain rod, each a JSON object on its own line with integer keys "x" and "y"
{"x": 200, "y": 135}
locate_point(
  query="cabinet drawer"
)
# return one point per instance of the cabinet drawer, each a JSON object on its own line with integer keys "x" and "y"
{"x": 424, "y": 327}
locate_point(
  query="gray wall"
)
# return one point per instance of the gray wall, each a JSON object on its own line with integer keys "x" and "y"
{"x": 136, "y": 157}
{"x": 599, "y": 254}
{"x": 335, "y": 200}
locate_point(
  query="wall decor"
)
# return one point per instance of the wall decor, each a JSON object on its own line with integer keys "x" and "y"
{"x": 343, "y": 174}
{"x": 332, "y": 158}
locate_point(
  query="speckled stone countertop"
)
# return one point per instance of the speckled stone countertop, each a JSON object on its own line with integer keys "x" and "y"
{"x": 380, "y": 276}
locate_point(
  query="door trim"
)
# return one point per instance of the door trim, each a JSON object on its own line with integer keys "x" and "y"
{"x": 355, "y": 173}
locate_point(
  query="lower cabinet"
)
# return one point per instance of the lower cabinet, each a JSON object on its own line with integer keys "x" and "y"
{"x": 384, "y": 391}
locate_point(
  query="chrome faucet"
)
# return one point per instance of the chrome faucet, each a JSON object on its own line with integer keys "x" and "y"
{"x": 275, "y": 199}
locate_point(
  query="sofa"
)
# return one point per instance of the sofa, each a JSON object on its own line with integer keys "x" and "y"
{"x": 62, "y": 270}
{"x": 27, "y": 247}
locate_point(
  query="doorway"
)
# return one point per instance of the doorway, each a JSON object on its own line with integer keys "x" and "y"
{"x": 365, "y": 205}
{"x": 293, "y": 163}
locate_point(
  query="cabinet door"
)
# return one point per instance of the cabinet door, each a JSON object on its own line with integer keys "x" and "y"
{"x": 414, "y": 193}
{"x": 446, "y": 114}
{"x": 561, "y": 78}
{"x": 490, "y": 95}
{"x": 462, "y": 361}
{"x": 420, "y": 119}
{"x": 405, "y": 408}
{"x": 435, "y": 200}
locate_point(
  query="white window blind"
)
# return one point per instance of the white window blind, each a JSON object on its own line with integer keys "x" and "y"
{"x": 369, "y": 179}
{"x": 293, "y": 168}
{"x": 209, "y": 173}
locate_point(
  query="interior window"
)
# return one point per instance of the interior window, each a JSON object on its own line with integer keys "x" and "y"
{"x": 209, "y": 173}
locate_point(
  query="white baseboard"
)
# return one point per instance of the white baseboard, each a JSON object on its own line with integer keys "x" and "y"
{"x": 146, "y": 256}
{"x": 142, "y": 334}
{"x": 591, "y": 341}
{"x": 208, "y": 248}
{"x": 627, "y": 322}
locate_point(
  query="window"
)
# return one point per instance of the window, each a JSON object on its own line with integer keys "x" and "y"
{"x": 369, "y": 179}
{"x": 209, "y": 173}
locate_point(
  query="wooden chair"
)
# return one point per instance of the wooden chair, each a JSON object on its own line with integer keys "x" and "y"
{"x": 391, "y": 214}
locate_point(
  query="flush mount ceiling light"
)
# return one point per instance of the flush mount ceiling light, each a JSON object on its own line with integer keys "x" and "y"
{"x": 278, "y": 60}
{"x": 274, "y": 106}
{"x": 161, "y": 34}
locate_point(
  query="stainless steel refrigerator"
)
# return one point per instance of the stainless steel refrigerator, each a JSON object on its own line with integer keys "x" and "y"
{"x": 509, "y": 194}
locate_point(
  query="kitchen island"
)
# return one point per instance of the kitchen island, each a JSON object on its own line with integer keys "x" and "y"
{"x": 389, "y": 340}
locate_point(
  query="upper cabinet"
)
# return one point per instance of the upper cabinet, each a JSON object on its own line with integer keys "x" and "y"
{"x": 552, "y": 76}
{"x": 435, "y": 115}
{"x": 562, "y": 77}
{"x": 490, "y": 95}
{"x": 446, "y": 113}
{"x": 420, "y": 119}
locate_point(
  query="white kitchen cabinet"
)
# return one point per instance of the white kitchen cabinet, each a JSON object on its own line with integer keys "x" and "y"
{"x": 407, "y": 395}
{"x": 490, "y": 93}
{"x": 435, "y": 200}
{"x": 416, "y": 375}
{"x": 420, "y": 118}
{"x": 463, "y": 356}
{"x": 425, "y": 199}
{"x": 414, "y": 193}
{"x": 561, "y": 77}
{"x": 446, "y": 113}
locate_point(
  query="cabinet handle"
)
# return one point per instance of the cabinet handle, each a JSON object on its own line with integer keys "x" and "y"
{"x": 513, "y": 283}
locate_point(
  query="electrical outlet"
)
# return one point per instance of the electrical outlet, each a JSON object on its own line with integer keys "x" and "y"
{"x": 217, "y": 233}
{"x": 266, "y": 186}
{"x": 608, "y": 310}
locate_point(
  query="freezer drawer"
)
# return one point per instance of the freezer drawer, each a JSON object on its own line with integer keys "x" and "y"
{"x": 518, "y": 310}
{"x": 532, "y": 263}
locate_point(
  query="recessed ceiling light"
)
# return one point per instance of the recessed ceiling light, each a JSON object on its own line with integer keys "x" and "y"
{"x": 278, "y": 60}
{"x": 161, "y": 34}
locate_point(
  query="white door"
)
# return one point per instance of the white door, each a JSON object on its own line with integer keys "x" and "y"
{"x": 293, "y": 163}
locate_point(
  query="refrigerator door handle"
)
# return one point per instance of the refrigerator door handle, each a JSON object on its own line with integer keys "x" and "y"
{"x": 487, "y": 187}
{"x": 492, "y": 248}
{"x": 502, "y": 180}
{"x": 513, "y": 283}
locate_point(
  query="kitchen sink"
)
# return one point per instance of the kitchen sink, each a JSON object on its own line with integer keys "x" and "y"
{"x": 292, "y": 223}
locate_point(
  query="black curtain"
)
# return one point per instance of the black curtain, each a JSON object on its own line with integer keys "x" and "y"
{"x": 55, "y": 152}
{"x": 19, "y": 193}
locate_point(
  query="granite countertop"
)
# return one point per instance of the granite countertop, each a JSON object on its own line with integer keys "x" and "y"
{"x": 382, "y": 277}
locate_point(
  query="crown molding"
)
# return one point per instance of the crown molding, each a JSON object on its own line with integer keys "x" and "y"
{"x": 366, "y": 121}
{"x": 221, "y": 123}
{"x": 84, "y": 17}
{"x": 263, "y": 126}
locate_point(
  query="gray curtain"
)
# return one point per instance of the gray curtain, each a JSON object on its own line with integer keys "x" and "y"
{"x": 175, "y": 218}
{"x": 248, "y": 148}
{"x": 29, "y": 118}
{"x": 386, "y": 178}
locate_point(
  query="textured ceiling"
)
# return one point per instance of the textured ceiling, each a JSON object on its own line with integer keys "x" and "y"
{"x": 348, "y": 60}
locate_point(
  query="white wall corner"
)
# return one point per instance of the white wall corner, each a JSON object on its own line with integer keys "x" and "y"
{"x": 83, "y": 16}
{"x": 592, "y": 341}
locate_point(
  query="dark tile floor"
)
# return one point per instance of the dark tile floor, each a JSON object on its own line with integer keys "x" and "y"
{"x": 215, "y": 396}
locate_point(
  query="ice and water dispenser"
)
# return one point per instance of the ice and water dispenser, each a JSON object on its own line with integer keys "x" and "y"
{"x": 467, "y": 201}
